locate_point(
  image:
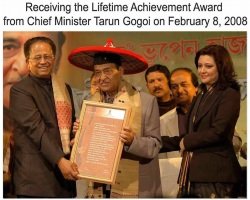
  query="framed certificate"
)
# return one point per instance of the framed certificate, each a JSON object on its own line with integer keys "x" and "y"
{"x": 97, "y": 148}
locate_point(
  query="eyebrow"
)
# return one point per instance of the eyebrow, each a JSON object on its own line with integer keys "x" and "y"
{"x": 10, "y": 40}
{"x": 178, "y": 83}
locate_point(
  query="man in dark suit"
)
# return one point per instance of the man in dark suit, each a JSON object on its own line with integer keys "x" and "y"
{"x": 42, "y": 111}
{"x": 14, "y": 70}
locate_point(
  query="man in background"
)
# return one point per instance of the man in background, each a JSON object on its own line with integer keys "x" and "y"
{"x": 158, "y": 81}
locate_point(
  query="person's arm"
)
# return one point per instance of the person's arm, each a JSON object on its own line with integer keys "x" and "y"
{"x": 68, "y": 169}
{"x": 149, "y": 143}
{"x": 225, "y": 114}
{"x": 26, "y": 114}
{"x": 78, "y": 97}
{"x": 170, "y": 143}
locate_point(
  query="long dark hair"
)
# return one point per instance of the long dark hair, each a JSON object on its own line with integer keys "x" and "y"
{"x": 224, "y": 63}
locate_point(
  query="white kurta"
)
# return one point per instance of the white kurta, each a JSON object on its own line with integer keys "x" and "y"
{"x": 169, "y": 162}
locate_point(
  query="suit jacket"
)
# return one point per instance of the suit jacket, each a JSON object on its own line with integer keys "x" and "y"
{"x": 37, "y": 143}
{"x": 145, "y": 149}
{"x": 210, "y": 140}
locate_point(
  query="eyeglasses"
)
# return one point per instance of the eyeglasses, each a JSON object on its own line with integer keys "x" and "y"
{"x": 107, "y": 72}
{"x": 46, "y": 58}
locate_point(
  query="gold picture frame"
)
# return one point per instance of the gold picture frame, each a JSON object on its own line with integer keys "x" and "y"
{"x": 97, "y": 148}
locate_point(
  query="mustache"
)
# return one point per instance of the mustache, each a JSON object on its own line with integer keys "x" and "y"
{"x": 156, "y": 89}
{"x": 106, "y": 80}
{"x": 103, "y": 82}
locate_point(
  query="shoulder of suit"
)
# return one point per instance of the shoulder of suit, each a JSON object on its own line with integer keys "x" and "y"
{"x": 27, "y": 81}
{"x": 147, "y": 100}
{"x": 229, "y": 91}
{"x": 233, "y": 90}
{"x": 81, "y": 94}
{"x": 146, "y": 95}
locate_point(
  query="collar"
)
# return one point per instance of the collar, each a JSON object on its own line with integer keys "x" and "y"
{"x": 43, "y": 81}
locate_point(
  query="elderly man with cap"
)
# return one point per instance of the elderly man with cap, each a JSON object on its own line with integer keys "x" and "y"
{"x": 138, "y": 173}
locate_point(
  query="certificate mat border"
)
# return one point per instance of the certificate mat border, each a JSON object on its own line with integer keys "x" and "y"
{"x": 120, "y": 144}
